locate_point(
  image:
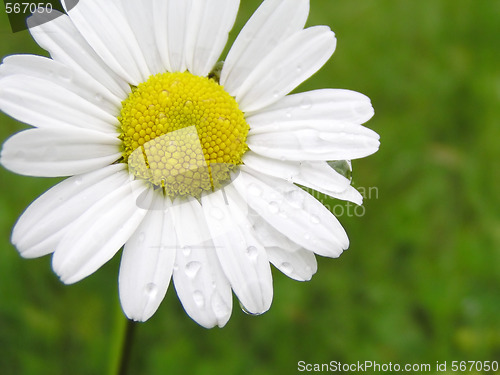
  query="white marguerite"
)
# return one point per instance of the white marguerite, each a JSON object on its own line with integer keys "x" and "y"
{"x": 191, "y": 165}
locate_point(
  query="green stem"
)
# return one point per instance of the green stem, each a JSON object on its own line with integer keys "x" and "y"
{"x": 121, "y": 345}
{"x": 127, "y": 347}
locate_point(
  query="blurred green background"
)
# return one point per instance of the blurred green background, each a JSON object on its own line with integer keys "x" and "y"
{"x": 421, "y": 280}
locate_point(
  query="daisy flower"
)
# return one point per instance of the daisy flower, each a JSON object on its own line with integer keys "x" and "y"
{"x": 196, "y": 168}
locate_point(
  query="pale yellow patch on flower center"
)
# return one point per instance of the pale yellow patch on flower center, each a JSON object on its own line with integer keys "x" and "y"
{"x": 182, "y": 133}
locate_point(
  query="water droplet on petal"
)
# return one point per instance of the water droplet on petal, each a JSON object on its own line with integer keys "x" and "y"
{"x": 307, "y": 236}
{"x": 78, "y": 181}
{"x": 198, "y": 298}
{"x": 286, "y": 268}
{"x": 299, "y": 69}
{"x": 220, "y": 308}
{"x": 151, "y": 290}
{"x": 295, "y": 198}
{"x": 254, "y": 190}
{"x": 244, "y": 309}
{"x": 192, "y": 269}
{"x": 306, "y": 103}
{"x": 274, "y": 207}
{"x": 252, "y": 252}
{"x": 314, "y": 219}
{"x": 186, "y": 250}
{"x": 66, "y": 74}
{"x": 98, "y": 98}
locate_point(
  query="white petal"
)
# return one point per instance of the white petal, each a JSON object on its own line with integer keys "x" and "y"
{"x": 242, "y": 257}
{"x": 147, "y": 262}
{"x": 56, "y": 153}
{"x": 140, "y": 16}
{"x": 268, "y": 236}
{"x": 316, "y": 141}
{"x": 43, "y": 223}
{"x": 293, "y": 212}
{"x": 299, "y": 265}
{"x": 99, "y": 233}
{"x": 45, "y": 104}
{"x": 66, "y": 45}
{"x": 271, "y": 24}
{"x": 327, "y": 104}
{"x": 106, "y": 29}
{"x": 209, "y": 25}
{"x": 285, "y": 67}
{"x": 310, "y": 174}
{"x": 199, "y": 280}
{"x": 350, "y": 194}
{"x": 171, "y": 25}
{"x": 80, "y": 84}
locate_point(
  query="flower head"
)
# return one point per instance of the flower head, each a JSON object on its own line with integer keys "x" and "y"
{"x": 190, "y": 165}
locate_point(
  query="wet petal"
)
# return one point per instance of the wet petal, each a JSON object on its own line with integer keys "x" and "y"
{"x": 147, "y": 262}
{"x": 106, "y": 30}
{"x": 209, "y": 27}
{"x": 96, "y": 236}
{"x": 66, "y": 45}
{"x": 45, "y": 104}
{"x": 270, "y": 25}
{"x": 285, "y": 67}
{"x": 242, "y": 257}
{"x": 293, "y": 212}
{"x": 42, "y": 225}
{"x": 316, "y": 141}
{"x": 199, "y": 280}
{"x": 56, "y": 153}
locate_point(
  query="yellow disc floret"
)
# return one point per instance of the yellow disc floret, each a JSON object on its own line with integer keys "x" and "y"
{"x": 182, "y": 133}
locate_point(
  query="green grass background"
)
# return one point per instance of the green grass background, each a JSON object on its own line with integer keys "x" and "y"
{"x": 421, "y": 280}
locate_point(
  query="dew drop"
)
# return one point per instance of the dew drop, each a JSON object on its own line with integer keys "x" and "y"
{"x": 244, "y": 309}
{"x": 186, "y": 250}
{"x": 66, "y": 75}
{"x": 151, "y": 290}
{"x": 306, "y": 103}
{"x": 299, "y": 69}
{"x": 220, "y": 308}
{"x": 254, "y": 190}
{"x": 314, "y": 219}
{"x": 288, "y": 113}
{"x": 295, "y": 198}
{"x": 198, "y": 298}
{"x": 274, "y": 207}
{"x": 78, "y": 181}
{"x": 192, "y": 269}
{"x": 307, "y": 236}
{"x": 252, "y": 252}
{"x": 286, "y": 268}
{"x": 276, "y": 94}
{"x": 98, "y": 98}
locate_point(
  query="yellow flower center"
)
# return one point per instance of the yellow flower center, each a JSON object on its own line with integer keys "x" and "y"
{"x": 182, "y": 133}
